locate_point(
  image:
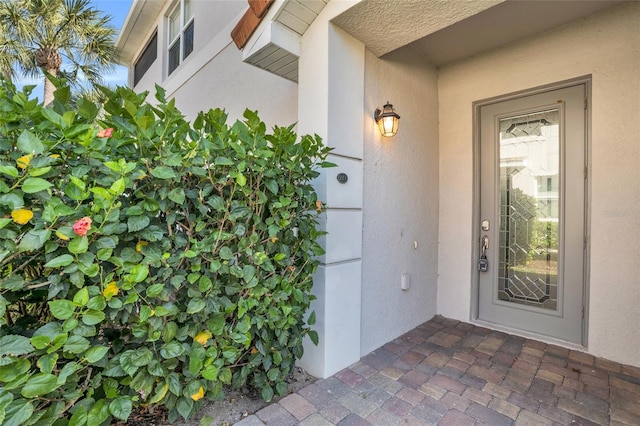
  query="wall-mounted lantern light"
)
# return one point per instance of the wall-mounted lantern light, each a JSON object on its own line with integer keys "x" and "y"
{"x": 387, "y": 120}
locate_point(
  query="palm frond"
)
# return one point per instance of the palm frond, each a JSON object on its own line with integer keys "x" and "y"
{"x": 75, "y": 29}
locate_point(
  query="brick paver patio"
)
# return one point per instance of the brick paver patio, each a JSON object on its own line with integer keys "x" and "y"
{"x": 447, "y": 372}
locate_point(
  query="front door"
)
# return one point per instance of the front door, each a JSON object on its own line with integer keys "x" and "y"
{"x": 532, "y": 213}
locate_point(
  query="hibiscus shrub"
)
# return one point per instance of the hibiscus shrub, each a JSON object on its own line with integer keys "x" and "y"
{"x": 147, "y": 260}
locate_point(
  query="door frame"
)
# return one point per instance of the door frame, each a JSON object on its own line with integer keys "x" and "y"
{"x": 476, "y": 231}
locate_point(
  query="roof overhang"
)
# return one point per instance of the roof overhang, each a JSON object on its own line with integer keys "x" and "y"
{"x": 143, "y": 14}
{"x": 272, "y": 41}
{"x": 447, "y": 31}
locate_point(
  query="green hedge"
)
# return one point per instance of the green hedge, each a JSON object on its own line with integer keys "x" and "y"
{"x": 147, "y": 260}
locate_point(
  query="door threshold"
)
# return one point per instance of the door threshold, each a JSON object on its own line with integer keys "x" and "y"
{"x": 530, "y": 335}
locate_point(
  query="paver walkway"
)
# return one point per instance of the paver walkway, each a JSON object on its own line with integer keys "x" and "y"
{"x": 448, "y": 372}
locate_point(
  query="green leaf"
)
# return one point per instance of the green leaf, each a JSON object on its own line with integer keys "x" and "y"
{"x": 68, "y": 369}
{"x": 155, "y": 290}
{"x": 93, "y": 317}
{"x": 177, "y": 195}
{"x": 163, "y": 172}
{"x": 97, "y": 302}
{"x": 312, "y": 318}
{"x": 98, "y": 413}
{"x": 171, "y": 350}
{"x": 78, "y": 182}
{"x": 216, "y": 324}
{"x": 30, "y": 143}
{"x": 118, "y": 186}
{"x": 76, "y": 345}
{"x": 69, "y": 324}
{"x": 281, "y": 388}
{"x": 18, "y": 412}
{"x": 206, "y": 421}
{"x": 141, "y": 357}
{"x": 169, "y": 331}
{"x": 32, "y": 185}
{"x": 12, "y": 283}
{"x": 46, "y": 362}
{"x": 39, "y": 384}
{"x": 241, "y": 179}
{"x": 34, "y": 240}
{"x": 15, "y": 345}
{"x": 226, "y": 253}
{"x": 195, "y": 305}
{"x": 39, "y": 171}
{"x": 139, "y": 273}
{"x": 12, "y": 371}
{"x": 61, "y": 309}
{"x": 11, "y": 200}
{"x": 313, "y": 335}
{"x": 121, "y": 408}
{"x": 81, "y": 298}
{"x": 267, "y": 393}
{"x": 137, "y": 223}
{"x": 272, "y": 186}
{"x": 101, "y": 192}
{"x": 53, "y": 117}
{"x": 79, "y": 417}
{"x": 68, "y": 118}
{"x": 277, "y": 358}
{"x": 184, "y": 407}
{"x": 78, "y": 245}
{"x": 175, "y": 386}
{"x": 96, "y": 353}
{"x": 210, "y": 372}
{"x": 104, "y": 254}
{"x": 273, "y": 374}
{"x": 223, "y": 161}
{"x": 9, "y": 171}
{"x": 225, "y": 375}
{"x": 57, "y": 262}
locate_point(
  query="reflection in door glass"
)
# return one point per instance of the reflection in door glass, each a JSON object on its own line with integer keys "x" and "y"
{"x": 529, "y": 209}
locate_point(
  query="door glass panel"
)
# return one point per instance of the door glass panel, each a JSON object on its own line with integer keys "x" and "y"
{"x": 529, "y": 209}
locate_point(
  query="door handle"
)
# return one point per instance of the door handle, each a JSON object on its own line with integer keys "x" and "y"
{"x": 483, "y": 262}
{"x": 485, "y": 245}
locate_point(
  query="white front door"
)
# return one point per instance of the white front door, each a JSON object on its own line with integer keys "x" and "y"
{"x": 532, "y": 213}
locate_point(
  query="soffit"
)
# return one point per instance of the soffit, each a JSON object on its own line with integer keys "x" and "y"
{"x": 275, "y": 44}
{"x": 142, "y": 16}
{"x": 445, "y": 31}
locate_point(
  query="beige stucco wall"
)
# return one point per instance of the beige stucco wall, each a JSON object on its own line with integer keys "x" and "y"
{"x": 400, "y": 198}
{"x": 607, "y": 47}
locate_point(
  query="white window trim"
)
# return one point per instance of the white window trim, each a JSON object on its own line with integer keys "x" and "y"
{"x": 180, "y": 34}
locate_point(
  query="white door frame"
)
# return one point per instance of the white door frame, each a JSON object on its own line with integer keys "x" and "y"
{"x": 475, "y": 242}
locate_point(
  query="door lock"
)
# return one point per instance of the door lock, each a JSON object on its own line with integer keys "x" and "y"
{"x": 483, "y": 264}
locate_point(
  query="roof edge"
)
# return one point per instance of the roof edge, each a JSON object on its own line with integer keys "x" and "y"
{"x": 128, "y": 40}
{"x": 250, "y": 21}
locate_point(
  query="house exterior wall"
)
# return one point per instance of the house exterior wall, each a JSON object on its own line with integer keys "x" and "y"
{"x": 372, "y": 220}
{"x": 330, "y": 104}
{"x": 607, "y": 47}
{"x": 213, "y": 75}
{"x": 227, "y": 82}
{"x": 400, "y": 216}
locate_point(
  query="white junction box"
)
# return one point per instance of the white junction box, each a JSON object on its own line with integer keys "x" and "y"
{"x": 405, "y": 282}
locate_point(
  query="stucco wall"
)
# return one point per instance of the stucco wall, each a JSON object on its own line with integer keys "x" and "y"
{"x": 229, "y": 83}
{"x": 400, "y": 198}
{"x": 606, "y": 46}
{"x": 213, "y": 75}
